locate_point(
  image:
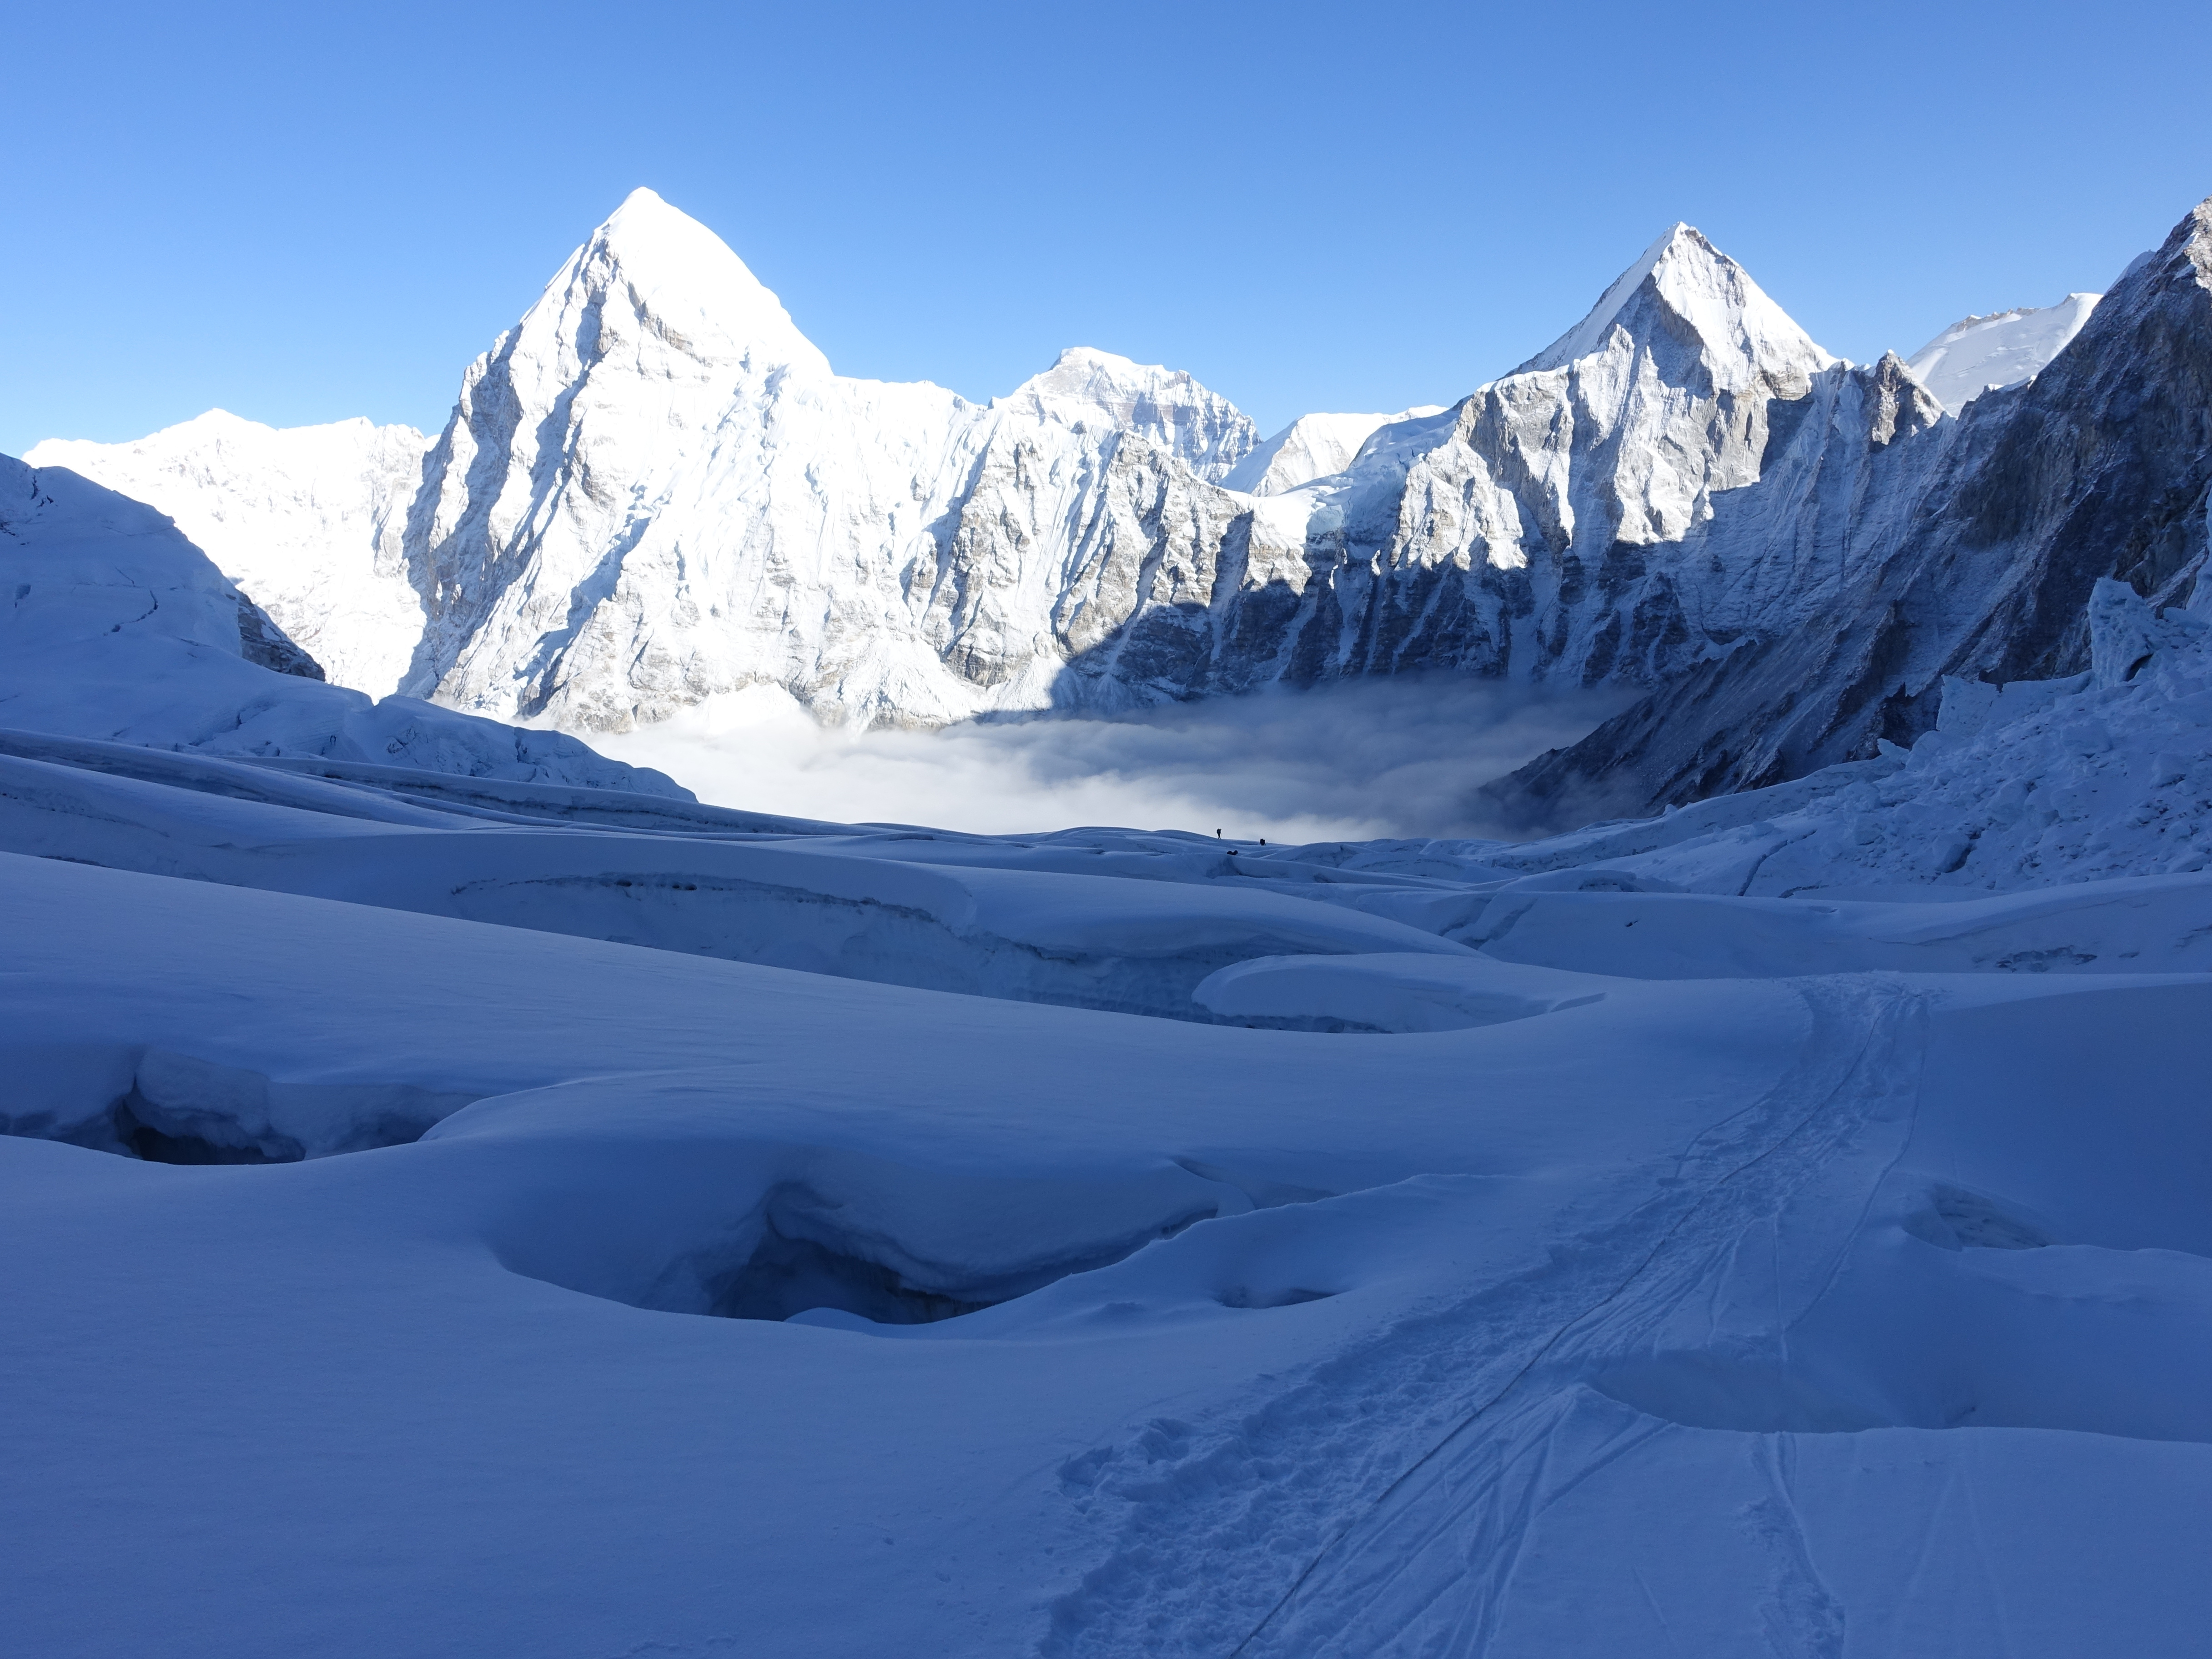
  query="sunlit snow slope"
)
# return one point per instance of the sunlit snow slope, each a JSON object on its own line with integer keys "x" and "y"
{"x": 654, "y": 495}
{"x": 1981, "y": 353}
{"x": 309, "y": 520}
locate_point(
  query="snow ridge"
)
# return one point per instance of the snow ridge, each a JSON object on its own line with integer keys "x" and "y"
{"x": 1166, "y": 407}
{"x": 310, "y": 520}
{"x": 1313, "y": 446}
{"x": 117, "y": 627}
{"x": 1744, "y": 331}
{"x": 1984, "y": 354}
{"x": 654, "y": 492}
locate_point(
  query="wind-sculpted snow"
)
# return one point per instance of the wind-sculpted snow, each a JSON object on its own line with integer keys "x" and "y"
{"x": 1611, "y": 1311}
{"x": 1578, "y": 1245}
{"x": 1117, "y": 924}
{"x": 494, "y": 1204}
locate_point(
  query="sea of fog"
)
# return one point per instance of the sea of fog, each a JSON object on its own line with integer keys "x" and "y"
{"x": 1365, "y": 758}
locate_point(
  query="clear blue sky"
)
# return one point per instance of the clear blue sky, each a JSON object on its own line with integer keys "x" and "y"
{"x": 300, "y": 213}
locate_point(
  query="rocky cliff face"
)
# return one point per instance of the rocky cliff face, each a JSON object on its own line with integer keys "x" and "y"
{"x": 1975, "y": 560}
{"x": 1566, "y": 522}
{"x": 654, "y": 489}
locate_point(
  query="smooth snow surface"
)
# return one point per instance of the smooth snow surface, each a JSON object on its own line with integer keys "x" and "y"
{"x": 1981, "y": 353}
{"x": 451, "y": 1215}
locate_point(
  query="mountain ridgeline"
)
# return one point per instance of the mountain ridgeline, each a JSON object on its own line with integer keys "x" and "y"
{"x": 1975, "y": 560}
{"x": 654, "y": 491}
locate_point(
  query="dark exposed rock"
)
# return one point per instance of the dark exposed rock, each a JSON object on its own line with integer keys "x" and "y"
{"x": 1981, "y": 565}
{"x": 262, "y": 642}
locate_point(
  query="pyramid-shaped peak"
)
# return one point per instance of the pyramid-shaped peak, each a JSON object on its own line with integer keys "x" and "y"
{"x": 1743, "y": 333}
{"x": 646, "y": 225}
{"x": 688, "y": 281}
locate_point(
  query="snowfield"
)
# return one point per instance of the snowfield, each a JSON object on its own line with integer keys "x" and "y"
{"x": 464, "y": 1197}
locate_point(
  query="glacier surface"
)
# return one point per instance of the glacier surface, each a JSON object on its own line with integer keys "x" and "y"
{"x": 475, "y": 1209}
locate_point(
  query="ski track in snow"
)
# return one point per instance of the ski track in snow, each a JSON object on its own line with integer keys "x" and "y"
{"x": 1363, "y": 1248}
{"x": 1395, "y": 1471}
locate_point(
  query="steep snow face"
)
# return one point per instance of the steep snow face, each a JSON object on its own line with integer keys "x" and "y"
{"x": 1312, "y": 446}
{"x": 654, "y": 489}
{"x": 654, "y": 492}
{"x": 1982, "y": 354}
{"x": 1165, "y": 407}
{"x": 309, "y": 520}
{"x": 1974, "y": 557}
{"x": 1561, "y": 523}
{"x": 1743, "y": 334}
{"x": 116, "y": 627}
{"x": 1565, "y": 523}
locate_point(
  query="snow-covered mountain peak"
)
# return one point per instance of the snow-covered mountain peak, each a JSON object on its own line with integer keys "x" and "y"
{"x": 1313, "y": 446}
{"x": 1980, "y": 354}
{"x": 682, "y": 283}
{"x": 1085, "y": 386}
{"x": 1683, "y": 279}
{"x": 308, "y": 519}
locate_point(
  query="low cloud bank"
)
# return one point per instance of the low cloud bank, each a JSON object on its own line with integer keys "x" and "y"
{"x": 1367, "y": 759}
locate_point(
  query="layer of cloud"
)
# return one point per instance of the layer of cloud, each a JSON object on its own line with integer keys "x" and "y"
{"x": 1369, "y": 758}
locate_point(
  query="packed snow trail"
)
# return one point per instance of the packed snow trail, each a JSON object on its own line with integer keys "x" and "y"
{"x": 1463, "y": 1510}
{"x": 1390, "y": 1483}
